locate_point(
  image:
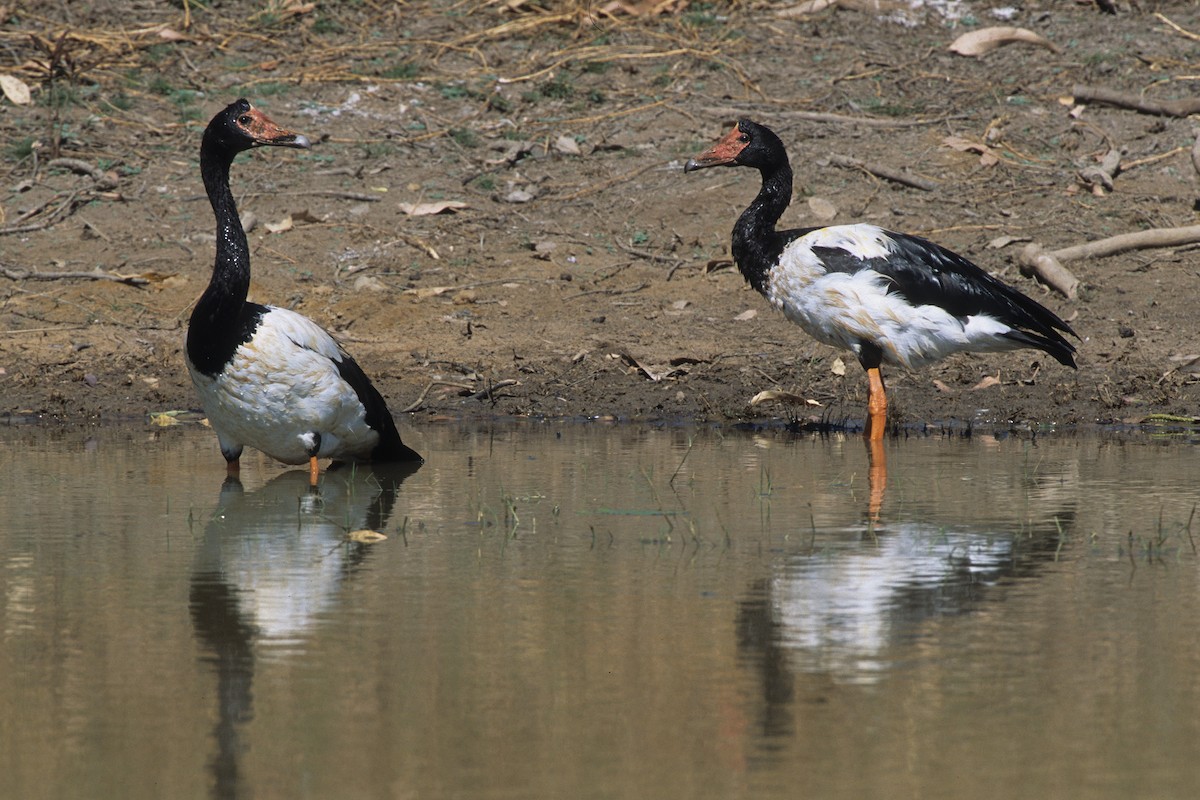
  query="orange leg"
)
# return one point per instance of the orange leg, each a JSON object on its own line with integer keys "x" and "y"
{"x": 314, "y": 471}
{"x": 876, "y": 477}
{"x": 876, "y": 405}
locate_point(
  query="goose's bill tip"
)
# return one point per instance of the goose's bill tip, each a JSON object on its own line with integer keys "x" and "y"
{"x": 704, "y": 161}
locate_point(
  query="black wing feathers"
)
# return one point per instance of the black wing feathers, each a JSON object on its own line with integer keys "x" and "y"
{"x": 390, "y": 447}
{"x": 925, "y": 273}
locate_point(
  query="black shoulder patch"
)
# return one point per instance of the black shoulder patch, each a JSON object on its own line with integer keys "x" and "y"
{"x": 212, "y": 341}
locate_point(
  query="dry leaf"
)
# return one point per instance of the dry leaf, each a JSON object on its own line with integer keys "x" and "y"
{"x": 987, "y": 156}
{"x": 838, "y": 367}
{"x": 426, "y": 209}
{"x": 1005, "y": 241}
{"x": 987, "y": 382}
{"x": 567, "y": 145}
{"x": 16, "y": 90}
{"x": 171, "y": 35}
{"x": 780, "y": 396}
{"x": 163, "y": 420}
{"x": 747, "y": 314}
{"x": 651, "y": 371}
{"x": 519, "y": 196}
{"x": 985, "y": 40}
{"x": 807, "y": 7}
{"x": 283, "y": 225}
{"x": 366, "y": 536}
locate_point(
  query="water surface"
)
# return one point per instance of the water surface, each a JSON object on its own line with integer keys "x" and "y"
{"x": 593, "y": 611}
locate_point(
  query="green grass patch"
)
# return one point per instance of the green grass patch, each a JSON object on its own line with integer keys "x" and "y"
{"x": 465, "y": 137}
{"x": 404, "y": 70}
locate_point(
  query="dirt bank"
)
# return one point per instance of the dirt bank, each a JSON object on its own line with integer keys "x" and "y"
{"x": 586, "y": 275}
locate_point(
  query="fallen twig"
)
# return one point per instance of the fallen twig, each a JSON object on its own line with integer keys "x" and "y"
{"x": 1047, "y": 266}
{"x": 610, "y": 292}
{"x": 335, "y": 193}
{"x": 1179, "y": 29}
{"x": 646, "y": 254}
{"x": 1035, "y": 262}
{"x": 104, "y": 182}
{"x": 1100, "y": 176}
{"x": 887, "y": 173}
{"x": 839, "y": 119}
{"x": 610, "y": 182}
{"x": 64, "y": 210}
{"x": 1141, "y": 162}
{"x": 19, "y": 274}
{"x": 1112, "y": 97}
{"x": 467, "y": 387}
{"x": 491, "y": 387}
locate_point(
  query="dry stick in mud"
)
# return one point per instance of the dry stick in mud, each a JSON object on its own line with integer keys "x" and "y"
{"x": 1112, "y": 97}
{"x": 885, "y": 172}
{"x": 476, "y": 395}
{"x": 102, "y": 182}
{"x": 1047, "y": 266}
{"x": 834, "y": 119}
{"x": 21, "y": 274}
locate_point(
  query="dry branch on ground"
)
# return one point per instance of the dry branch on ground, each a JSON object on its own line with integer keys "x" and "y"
{"x": 1112, "y": 97}
{"x": 1047, "y": 266}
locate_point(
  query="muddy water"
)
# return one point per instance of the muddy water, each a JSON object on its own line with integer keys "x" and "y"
{"x": 588, "y": 611}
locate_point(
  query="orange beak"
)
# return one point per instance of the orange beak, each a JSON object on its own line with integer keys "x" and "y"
{"x": 267, "y": 134}
{"x": 722, "y": 154}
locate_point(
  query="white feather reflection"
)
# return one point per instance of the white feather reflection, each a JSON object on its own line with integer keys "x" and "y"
{"x": 272, "y": 561}
{"x": 842, "y": 609}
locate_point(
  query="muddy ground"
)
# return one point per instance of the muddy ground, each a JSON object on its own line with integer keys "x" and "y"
{"x": 586, "y": 276}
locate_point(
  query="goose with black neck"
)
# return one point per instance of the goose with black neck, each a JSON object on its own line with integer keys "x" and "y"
{"x": 270, "y": 378}
{"x": 890, "y": 298}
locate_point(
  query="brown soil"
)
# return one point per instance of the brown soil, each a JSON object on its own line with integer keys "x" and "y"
{"x": 616, "y": 270}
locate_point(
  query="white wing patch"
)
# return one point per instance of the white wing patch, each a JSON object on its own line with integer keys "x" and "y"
{"x": 846, "y": 309}
{"x": 862, "y": 241}
{"x": 282, "y": 386}
{"x": 305, "y": 333}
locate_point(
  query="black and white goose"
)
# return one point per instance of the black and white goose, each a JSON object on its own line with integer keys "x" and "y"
{"x": 889, "y": 297}
{"x": 270, "y": 378}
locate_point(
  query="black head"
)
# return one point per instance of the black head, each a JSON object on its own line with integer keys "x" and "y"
{"x": 747, "y": 145}
{"x": 241, "y": 126}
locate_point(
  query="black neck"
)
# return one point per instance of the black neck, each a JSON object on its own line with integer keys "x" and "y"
{"x": 231, "y": 272}
{"x": 215, "y": 318}
{"x": 756, "y": 245}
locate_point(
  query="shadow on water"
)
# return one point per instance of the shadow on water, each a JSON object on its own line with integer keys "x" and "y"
{"x": 270, "y": 563}
{"x": 835, "y": 615}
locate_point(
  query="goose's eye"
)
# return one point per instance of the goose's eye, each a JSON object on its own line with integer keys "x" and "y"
{"x": 244, "y": 119}
{"x": 744, "y": 138}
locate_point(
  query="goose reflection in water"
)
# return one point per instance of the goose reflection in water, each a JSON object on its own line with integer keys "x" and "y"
{"x": 270, "y": 563}
{"x": 842, "y": 612}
